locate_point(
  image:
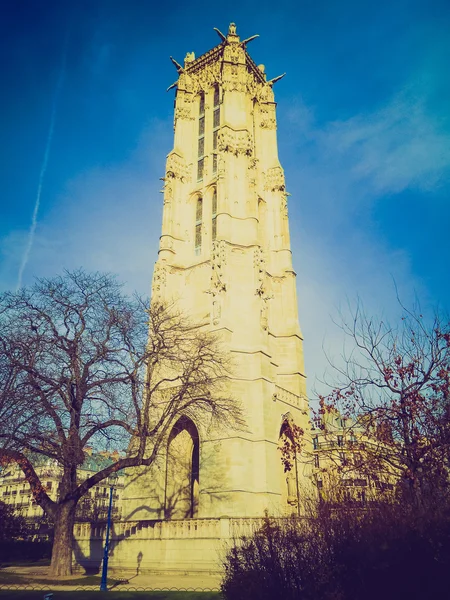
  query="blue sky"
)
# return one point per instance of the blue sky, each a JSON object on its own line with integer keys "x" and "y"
{"x": 364, "y": 138}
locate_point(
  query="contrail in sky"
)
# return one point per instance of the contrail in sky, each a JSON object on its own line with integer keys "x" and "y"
{"x": 26, "y": 254}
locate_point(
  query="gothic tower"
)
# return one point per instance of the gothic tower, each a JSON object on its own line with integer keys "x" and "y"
{"x": 225, "y": 258}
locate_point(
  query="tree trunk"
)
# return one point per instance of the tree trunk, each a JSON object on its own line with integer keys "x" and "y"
{"x": 61, "y": 564}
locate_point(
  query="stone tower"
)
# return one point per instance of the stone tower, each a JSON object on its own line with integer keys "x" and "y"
{"x": 225, "y": 258}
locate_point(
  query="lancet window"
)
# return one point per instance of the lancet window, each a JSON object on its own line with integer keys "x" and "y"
{"x": 216, "y": 124}
{"x": 198, "y": 225}
{"x": 201, "y": 137}
{"x": 214, "y": 216}
{"x": 182, "y": 471}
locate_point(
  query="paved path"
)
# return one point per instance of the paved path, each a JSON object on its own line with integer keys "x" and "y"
{"x": 141, "y": 580}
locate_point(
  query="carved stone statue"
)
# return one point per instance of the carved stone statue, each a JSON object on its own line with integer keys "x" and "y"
{"x": 292, "y": 488}
{"x": 217, "y": 310}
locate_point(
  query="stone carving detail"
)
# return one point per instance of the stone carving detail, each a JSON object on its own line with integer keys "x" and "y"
{"x": 159, "y": 279}
{"x": 216, "y": 310}
{"x": 253, "y": 173}
{"x": 268, "y": 120}
{"x": 232, "y": 83}
{"x": 235, "y": 142}
{"x": 263, "y": 287}
{"x": 168, "y": 190}
{"x": 176, "y": 168}
{"x": 274, "y": 180}
{"x": 234, "y": 53}
{"x": 184, "y": 112}
{"x": 260, "y": 264}
{"x": 218, "y": 285}
{"x": 291, "y": 481}
{"x": 218, "y": 263}
{"x": 264, "y": 93}
{"x": 284, "y": 205}
{"x": 220, "y": 167}
{"x": 166, "y": 243}
{"x": 202, "y": 79}
{"x": 252, "y": 85}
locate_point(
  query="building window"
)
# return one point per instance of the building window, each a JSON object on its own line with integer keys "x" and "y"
{"x": 316, "y": 461}
{"x": 340, "y": 440}
{"x": 200, "y": 166}
{"x": 214, "y": 216}
{"x": 342, "y": 457}
{"x": 198, "y": 225}
{"x": 319, "y": 484}
{"x": 201, "y": 126}
{"x": 216, "y": 124}
{"x": 201, "y": 146}
{"x": 361, "y": 482}
{"x": 316, "y": 442}
{"x": 201, "y": 138}
{"x": 216, "y": 118}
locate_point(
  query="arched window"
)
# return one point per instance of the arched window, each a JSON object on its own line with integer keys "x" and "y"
{"x": 216, "y": 125}
{"x": 214, "y": 216}
{"x": 198, "y": 225}
{"x": 182, "y": 471}
{"x": 201, "y": 137}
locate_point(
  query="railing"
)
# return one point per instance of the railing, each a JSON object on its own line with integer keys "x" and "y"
{"x": 290, "y": 398}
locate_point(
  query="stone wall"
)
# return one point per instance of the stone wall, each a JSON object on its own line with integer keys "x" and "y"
{"x": 176, "y": 546}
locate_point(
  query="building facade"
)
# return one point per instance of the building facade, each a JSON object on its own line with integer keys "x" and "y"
{"x": 350, "y": 465}
{"x": 16, "y": 492}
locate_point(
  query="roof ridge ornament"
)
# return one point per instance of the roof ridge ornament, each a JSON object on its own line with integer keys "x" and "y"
{"x": 275, "y": 79}
{"x": 220, "y": 34}
{"x": 178, "y": 67}
{"x": 234, "y": 36}
{"x": 248, "y": 40}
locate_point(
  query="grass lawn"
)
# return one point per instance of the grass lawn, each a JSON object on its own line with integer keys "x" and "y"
{"x": 94, "y": 595}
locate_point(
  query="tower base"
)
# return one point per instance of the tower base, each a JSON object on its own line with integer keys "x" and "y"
{"x": 178, "y": 547}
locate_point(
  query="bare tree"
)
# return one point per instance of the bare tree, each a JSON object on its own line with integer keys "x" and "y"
{"x": 394, "y": 389}
{"x": 82, "y": 364}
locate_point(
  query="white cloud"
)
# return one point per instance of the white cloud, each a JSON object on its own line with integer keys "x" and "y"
{"x": 107, "y": 219}
{"x": 339, "y": 171}
{"x": 399, "y": 146}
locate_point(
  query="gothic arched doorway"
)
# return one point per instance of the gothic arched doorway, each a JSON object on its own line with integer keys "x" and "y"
{"x": 182, "y": 471}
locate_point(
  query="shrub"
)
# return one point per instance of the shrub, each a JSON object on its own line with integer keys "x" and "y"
{"x": 386, "y": 552}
